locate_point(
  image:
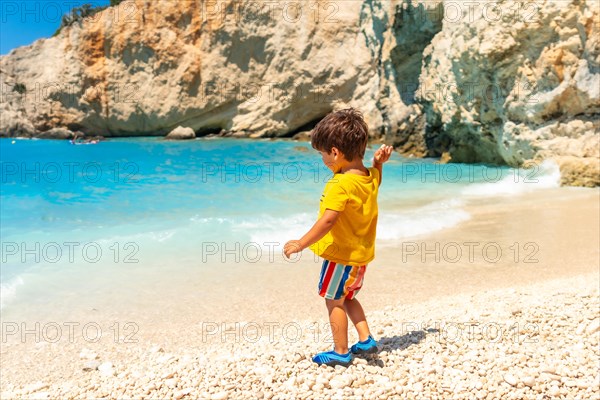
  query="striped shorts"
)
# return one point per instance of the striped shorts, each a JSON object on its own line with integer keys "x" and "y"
{"x": 340, "y": 281}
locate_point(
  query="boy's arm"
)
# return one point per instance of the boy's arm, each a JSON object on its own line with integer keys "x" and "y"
{"x": 319, "y": 229}
{"x": 382, "y": 155}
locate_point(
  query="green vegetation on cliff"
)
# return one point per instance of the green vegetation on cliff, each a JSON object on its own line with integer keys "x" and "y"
{"x": 80, "y": 13}
{"x": 19, "y": 88}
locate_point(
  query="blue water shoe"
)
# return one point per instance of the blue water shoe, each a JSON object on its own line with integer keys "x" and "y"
{"x": 331, "y": 358}
{"x": 368, "y": 346}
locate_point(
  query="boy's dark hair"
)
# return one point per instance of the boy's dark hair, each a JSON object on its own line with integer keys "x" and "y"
{"x": 345, "y": 130}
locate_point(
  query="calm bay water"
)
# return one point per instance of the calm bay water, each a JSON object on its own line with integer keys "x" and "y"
{"x": 76, "y": 219}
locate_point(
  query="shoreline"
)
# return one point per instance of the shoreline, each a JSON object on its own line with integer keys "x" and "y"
{"x": 189, "y": 324}
{"x": 413, "y": 263}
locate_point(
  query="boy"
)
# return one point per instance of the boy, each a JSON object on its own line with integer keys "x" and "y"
{"x": 344, "y": 234}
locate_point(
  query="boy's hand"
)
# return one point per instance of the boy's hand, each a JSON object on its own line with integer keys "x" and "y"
{"x": 291, "y": 247}
{"x": 319, "y": 229}
{"x": 382, "y": 154}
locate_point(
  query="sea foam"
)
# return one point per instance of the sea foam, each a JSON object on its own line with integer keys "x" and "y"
{"x": 519, "y": 180}
{"x": 8, "y": 291}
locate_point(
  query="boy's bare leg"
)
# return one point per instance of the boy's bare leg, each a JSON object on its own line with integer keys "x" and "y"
{"x": 339, "y": 324}
{"x": 357, "y": 315}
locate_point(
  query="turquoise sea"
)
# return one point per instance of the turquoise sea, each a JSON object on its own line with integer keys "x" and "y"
{"x": 78, "y": 220}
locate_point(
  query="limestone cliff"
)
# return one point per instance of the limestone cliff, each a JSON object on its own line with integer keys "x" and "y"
{"x": 521, "y": 84}
{"x": 502, "y": 85}
{"x": 144, "y": 68}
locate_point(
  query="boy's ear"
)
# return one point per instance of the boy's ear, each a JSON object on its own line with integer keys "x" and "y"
{"x": 335, "y": 152}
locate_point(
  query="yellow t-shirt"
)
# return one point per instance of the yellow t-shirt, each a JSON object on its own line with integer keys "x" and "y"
{"x": 351, "y": 241}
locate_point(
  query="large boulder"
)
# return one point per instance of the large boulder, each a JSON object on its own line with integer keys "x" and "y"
{"x": 181, "y": 133}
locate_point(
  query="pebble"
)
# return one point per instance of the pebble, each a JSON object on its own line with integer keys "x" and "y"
{"x": 167, "y": 375}
{"x": 170, "y": 383}
{"x": 106, "y": 369}
{"x": 181, "y": 393}
{"x": 417, "y": 387}
{"x": 88, "y": 354}
{"x": 583, "y": 384}
{"x": 359, "y": 382}
{"x": 549, "y": 369}
{"x": 593, "y": 327}
{"x": 528, "y": 380}
{"x": 156, "y": 349}
{"x": 553, "y": 377}
{"x": 91, "y": 365}
{"x": 337, "y": 384}
{"x": 510, "y": 379}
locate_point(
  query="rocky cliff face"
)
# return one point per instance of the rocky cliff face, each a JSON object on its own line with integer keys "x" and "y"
{"x": 144, "y": 68}
{"x": 520, "y": 84}
{"x": 502, "y": 84}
